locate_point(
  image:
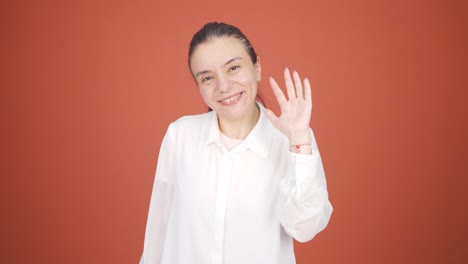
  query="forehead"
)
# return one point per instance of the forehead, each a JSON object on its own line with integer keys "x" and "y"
{"x": 216, "y": 52}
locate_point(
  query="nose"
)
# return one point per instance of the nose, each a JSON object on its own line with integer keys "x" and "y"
{"x": 223, "y": 83}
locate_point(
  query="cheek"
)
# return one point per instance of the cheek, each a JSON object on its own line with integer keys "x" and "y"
{"x": 247, "y": 79}
{"x": 205, "y": 94}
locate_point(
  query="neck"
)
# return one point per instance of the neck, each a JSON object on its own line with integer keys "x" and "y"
{"x": 240, "y": 128}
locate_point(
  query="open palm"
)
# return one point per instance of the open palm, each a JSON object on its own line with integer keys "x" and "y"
{"x": 296, "y": 111}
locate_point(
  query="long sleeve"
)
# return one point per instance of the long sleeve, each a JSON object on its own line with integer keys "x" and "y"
{"x": 304, "y": 206}
{"x": 237, "y": 206}
{"x": 161, "y": 202}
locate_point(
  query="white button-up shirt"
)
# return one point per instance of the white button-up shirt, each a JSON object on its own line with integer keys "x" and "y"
{"x": 244, "y": 206}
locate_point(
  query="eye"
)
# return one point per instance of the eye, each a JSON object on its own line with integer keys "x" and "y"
{"x": 234, "y": 68}
{"x": 206, "y": 79}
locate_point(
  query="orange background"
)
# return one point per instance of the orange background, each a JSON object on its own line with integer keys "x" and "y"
{"x": 88, "y": 89}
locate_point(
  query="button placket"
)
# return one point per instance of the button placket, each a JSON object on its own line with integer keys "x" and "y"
{"x": 222, "y": 195}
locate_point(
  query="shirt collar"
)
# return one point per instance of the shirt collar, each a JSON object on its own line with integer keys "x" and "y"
{"x": 210, "y": 130}
{"x": 258, "y": 140}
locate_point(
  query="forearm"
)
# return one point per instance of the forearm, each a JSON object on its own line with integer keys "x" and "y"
{"x": 304, "y": 206}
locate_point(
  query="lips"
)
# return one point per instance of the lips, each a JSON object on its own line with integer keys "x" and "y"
{"x": 231, "y": 100}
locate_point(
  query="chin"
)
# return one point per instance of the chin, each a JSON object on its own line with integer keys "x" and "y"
{"x": 239, "y": 112}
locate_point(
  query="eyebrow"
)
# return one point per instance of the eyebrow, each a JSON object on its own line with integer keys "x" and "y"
{"x": 224, "y": 64}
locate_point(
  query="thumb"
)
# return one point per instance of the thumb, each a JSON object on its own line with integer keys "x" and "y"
{"x": 270, "y": 115}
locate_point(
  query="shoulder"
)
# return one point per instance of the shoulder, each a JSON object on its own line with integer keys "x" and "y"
{"x": 190, "y": 123}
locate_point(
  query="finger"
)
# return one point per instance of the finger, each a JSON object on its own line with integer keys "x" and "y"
{"x": 277, "y": 91}
{"x": 298, "y": 84}
{"x": 307, "y": 91}
{"x": 289, "y": 84}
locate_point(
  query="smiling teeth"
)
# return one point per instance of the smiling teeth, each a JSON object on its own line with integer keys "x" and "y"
{"x": 229, "y": 100}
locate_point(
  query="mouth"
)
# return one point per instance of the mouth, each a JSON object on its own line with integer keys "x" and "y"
{"x": 231, "y": 100}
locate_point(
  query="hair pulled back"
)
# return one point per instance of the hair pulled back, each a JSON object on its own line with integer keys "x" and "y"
{"x": 214, "y": 30}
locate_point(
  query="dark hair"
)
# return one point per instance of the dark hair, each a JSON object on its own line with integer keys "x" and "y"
{"x": 214, "y": 30}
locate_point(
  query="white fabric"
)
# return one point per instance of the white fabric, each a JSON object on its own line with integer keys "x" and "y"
{"x": 214, "y": 206}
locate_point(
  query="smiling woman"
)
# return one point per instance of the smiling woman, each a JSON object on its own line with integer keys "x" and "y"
{"x": 227, "y": 80}
{"x": 237, "y": 184}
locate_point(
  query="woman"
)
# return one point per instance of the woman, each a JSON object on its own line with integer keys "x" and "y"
{"x": 236, "y": 184}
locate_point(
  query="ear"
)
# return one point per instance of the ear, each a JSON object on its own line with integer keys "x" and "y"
{"x": 258, "y": 69}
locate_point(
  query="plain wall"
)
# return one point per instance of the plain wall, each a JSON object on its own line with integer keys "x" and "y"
{"x": 88, "y": 89}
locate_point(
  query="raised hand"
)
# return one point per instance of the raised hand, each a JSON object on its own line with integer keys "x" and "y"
{"x": 296, "y": 111}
